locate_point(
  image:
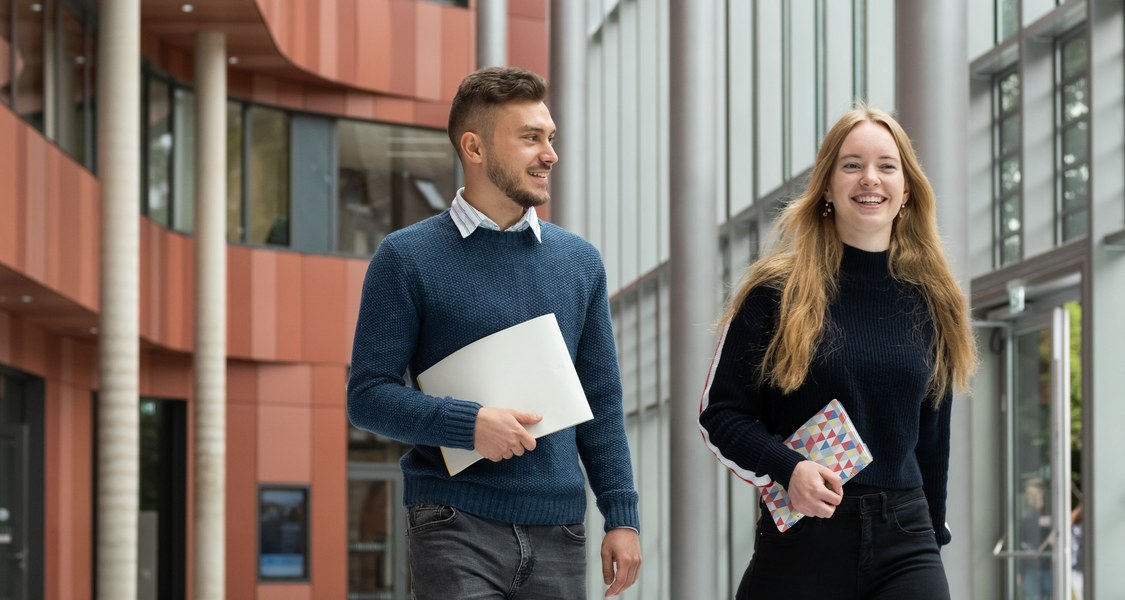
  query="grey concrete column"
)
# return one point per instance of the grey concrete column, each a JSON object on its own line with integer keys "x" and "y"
{"x": 492, "y": 33}
{"x": 119, "y": 137}
{"x": 210, "y": 315}
{"x": 932, "y": 89}
{"x": 694, "y": 288}
{"x": 568, "y": 108}
{"x": 1103, "y": 444}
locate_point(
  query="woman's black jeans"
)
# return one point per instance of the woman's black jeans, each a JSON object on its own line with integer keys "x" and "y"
{"x": 879, "y": 545}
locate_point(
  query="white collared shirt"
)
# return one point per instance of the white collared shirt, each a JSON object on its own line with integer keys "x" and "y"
{"x": 468, "y": 218}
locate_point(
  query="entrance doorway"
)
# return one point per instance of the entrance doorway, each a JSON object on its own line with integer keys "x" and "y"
{"x": 21, "y": 486}
{"x": 376, "y": 533}
{"x": 1042, "y": 483}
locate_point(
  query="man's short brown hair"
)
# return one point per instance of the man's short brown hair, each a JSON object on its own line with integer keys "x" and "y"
{"x": 482, "y": 91}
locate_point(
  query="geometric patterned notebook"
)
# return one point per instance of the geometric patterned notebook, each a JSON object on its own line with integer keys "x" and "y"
{"x": 828, "y": 438}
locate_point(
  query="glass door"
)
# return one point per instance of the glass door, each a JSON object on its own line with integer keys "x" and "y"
{"x": 1040, "y": 482}
{"x": 376, "y": 533}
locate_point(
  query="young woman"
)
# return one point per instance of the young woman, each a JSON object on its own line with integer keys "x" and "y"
{"x": 855, "y": 302}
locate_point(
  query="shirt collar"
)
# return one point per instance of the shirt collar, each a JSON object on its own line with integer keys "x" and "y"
{"x": 468, "y": 218}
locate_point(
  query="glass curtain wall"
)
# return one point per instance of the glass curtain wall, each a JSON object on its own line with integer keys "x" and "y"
{"x": 788, "y": 70}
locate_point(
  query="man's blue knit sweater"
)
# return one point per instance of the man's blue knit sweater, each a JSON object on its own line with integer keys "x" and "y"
{"x": 429, "y": 292}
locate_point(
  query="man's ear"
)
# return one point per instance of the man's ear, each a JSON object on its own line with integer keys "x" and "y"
{"x": 472, "y": 147}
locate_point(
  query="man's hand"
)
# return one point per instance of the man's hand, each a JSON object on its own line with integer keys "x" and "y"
{"x": 621, "y": 559}
{"x": 815, "y": 490}
{"x": 501, "y": 433}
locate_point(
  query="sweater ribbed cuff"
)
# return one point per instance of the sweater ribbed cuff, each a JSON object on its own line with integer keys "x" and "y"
{"x": 461, "y": 423}
{"x": 779, "y": 462}
{"x": 620, "y": 510}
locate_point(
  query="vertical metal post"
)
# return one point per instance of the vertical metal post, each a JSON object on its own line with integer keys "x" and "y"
{"x": 492, "y": 33}
{"x": 932, "y": 89}
{"x": 568, "y": 108}
{"x": 118, "y": 498}
{"x": 210, "y": 315}
{"x": 693, "y": 289}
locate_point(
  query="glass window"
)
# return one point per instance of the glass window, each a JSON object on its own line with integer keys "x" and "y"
{"x": 1072, "y": 170}
{"x": 283, "y": 532}
{"x": 269, "y": 176}
{"x": 390, "y": 177}
{"x": 28, "y": 63}
{"x": 1007, "y": 19}
{"x": 184, "y": 160}
{"x": 235, "y": 224}
{"x": 5, "y": 52}
{"x": 158, "y": 136}
{"x": 71, "y": 134}
{"x": 1007, "y": 217}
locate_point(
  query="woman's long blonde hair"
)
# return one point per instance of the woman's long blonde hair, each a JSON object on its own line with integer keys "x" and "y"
{"x": 804, "y": 266}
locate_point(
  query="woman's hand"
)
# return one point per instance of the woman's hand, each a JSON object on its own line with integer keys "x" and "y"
{"x": 815, "y": 490}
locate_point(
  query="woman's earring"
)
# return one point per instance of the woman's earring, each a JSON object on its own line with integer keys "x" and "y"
{"x": 827, "y": 209}
{"x": 902, "y": 210}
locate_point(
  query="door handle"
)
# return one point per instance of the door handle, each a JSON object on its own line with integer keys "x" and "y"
{"x": 20, "y": 559}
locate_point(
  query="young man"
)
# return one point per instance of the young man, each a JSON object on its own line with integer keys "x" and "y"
{"x": 510, "y": 526}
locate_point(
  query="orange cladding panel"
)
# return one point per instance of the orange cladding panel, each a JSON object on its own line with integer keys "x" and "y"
{"x": 526, "y": 44}
{"x": 284, "y": 384}
{"x": 239, "y": 306}
{"x": 328, "y": 48}
{"x": 263, "y": 302}
{"x": 329, "y": 385}
{"x": 286, "y": 591}
{"x": 346, "y": 32}
{"x": 428, "y": 45}
{"x": 284, "y": 445}
{"x": 326, "y": 338}
{"x": 402, "y": 57}
{"x": 290, "y": 310}
{"x": 10, "y": 174}
{"x": 242, "y": 497}
{"x": 330, "y": 492}
{"x": 457, "y": 51}
{"x": 373, "y": 44}
{"x": 35, "y": 205}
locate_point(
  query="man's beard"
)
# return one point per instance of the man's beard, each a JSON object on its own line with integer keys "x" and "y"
{"x": 509, "y": 183}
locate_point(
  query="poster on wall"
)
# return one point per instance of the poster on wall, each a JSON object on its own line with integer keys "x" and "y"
{"x": 283, "y": 532}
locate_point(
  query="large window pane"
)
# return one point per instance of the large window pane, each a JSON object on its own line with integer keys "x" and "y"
{"x": 1009, "y": 92}
{"x": 1007, "y": 21}
{"x": 1007, "y": 169}
{"x": 159, "y": 146}
{"x": 234, "y": 172}
{"x": 390, "y": 177}
{"x": 28, "y": 75}
{"x": 1009, "y": 134}
{"x": 72, "y": 85}
{"x": 269, "y": 176}
{"x": 1072, "y": 141}
{"x": 184, "y": 156}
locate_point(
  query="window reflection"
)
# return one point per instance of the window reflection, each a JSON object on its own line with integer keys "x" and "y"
{"x": 159, "y": 147}
{"x": 269, "y": 176}
{"x": 5, "y": 53}
{"x": 28, "y": 68}
{"x": 389, "y": 177}
{"x": 1007, "y": 174}
{"x": 183, "y": 171}
{"x": 71, "y": 135}
{"x": 1072, "y": 161}
{"x": 234, "y": 172}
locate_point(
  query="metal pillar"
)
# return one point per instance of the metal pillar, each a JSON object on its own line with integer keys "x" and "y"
{"x": 932, "y": 89}
{"x": 568, "y": 108}
{"x": 210, "y": 315}
{"x": 492, "y": 33}
{"x": 118, "y": 498}
{"x": 694, "y": 288}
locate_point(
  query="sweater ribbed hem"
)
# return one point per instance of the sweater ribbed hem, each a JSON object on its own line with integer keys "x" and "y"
{"x": 506, "y": 507}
